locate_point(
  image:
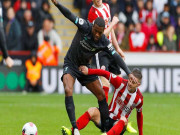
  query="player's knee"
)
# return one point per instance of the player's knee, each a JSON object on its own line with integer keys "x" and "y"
{"x": 101, "y": 95}
{"x": 68, "y": 91}
{"x": 124, "y": 119}
{"x": 93, "y": 112}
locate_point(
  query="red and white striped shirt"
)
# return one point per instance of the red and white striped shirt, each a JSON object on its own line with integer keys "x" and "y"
{"x": 103, "y": 12}
{"x": 123, "y": 102}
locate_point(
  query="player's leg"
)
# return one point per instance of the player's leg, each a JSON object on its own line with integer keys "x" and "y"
{"x": 118, "y": 128}
{"x": 92, "y": 114}
{"x": 96, "y": 89}
{"x": 106, "y": 86}
{"x": 115, "y": 69}
{"x": 68, "y": 82}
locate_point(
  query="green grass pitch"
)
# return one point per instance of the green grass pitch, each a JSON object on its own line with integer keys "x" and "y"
{"x": 161, "y": 113}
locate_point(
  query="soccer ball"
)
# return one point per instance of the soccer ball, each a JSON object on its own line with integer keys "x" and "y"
{"x": 29, "y": 129}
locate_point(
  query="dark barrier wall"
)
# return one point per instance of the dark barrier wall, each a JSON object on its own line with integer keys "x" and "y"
{"x": 156, "y": 79}
{"x": 12, "y": 79}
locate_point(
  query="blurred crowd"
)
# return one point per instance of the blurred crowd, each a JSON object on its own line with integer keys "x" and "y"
{"x": 145, "y": 25}
{"x": 29, "y": 26}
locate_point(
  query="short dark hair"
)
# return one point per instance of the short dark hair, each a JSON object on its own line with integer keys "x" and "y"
{"x": 100, "y": 22}
{"x": 137, "y": 73}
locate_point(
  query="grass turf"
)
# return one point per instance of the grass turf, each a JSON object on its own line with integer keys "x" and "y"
{"x": 161, "y": 113}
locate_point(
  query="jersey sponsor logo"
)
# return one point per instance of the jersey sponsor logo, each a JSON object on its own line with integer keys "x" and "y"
{"x": 81, "y": 21}
{"x": 85, "y": 45}
{"x": 123, "y": 106}
{"x": 127, "y": 109}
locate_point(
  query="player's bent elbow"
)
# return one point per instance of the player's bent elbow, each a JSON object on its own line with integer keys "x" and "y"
{"x": 124, "y": 119}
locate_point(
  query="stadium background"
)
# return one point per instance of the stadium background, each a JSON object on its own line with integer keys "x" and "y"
{"x": 161, "y": 88}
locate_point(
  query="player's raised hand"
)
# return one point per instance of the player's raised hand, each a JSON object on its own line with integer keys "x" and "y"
{"x": 115, "y": 20}
{"x": 84, "y": 70}
{"x": 9, "y": 62}
{"x": 55, "y": 2}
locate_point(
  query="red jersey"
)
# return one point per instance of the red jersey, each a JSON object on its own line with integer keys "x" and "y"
{"x": 143, "y": 14}
{"x": 123, "y": 102}
{"x": 103, "y": 12}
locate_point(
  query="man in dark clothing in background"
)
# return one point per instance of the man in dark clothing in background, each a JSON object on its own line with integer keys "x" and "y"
{"x": 29, "y": 39}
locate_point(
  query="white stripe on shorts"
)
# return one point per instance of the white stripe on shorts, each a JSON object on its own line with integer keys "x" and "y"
{"x": 97, "y": 61}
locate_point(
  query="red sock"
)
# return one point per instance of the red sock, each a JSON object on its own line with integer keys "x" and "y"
{"x": 116, "y": 129}
{"x": 106, "y": 91}
{"x": 83, "y": 120}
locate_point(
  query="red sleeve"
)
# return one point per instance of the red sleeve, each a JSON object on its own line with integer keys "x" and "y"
{"x": 131, "y": 43}
{"x": 140, "y": 115}
{"x": 92, "y": 15}
{"x": 114, "y": 80}
{"x": 140, "y": 122}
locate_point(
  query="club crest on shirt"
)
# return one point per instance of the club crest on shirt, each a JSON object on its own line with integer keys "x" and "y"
{"x": 114, "y": 76}
{"x": 81, "y": 21}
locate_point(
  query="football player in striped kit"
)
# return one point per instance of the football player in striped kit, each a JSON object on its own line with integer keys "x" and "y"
{"x": 126, "y": 97}
{"x": 102, "y": 60}
{"x": 8, "y": 59}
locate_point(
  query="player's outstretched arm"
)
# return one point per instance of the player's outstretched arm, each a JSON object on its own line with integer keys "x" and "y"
{"x": 114, "y": 80}
{"x": 118, "y": 59}
{"x": 109, "y": 49}
{"x": 66, "y": 12}
{"x": 123, "y": 65}
{"x": 99, "y": 72}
